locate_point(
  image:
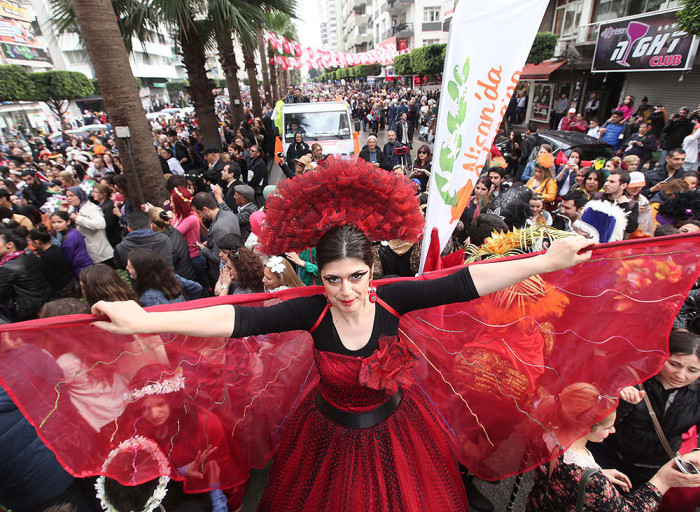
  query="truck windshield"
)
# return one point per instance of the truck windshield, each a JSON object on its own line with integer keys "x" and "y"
{"x": 317, "y": 125}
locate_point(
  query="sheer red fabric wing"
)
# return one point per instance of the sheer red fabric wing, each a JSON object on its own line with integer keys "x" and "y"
{"x": 484, "y": 367}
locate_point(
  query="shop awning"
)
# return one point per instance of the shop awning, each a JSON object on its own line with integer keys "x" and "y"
{"x": 542, "y": 70}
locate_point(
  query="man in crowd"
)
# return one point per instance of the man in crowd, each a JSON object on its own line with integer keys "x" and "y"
{"x": 673, "y": 133}
{"x": 244, "y": 195}
{"x": 568, "y": 122}
{"x": 404, "y": 131}
{"x": 231, "y": 176}
{"x": 259, "y": 169}
{"x": 560, "y": 106}
{"x": 180, "y": 151}
{"x": 497, "y": 176}
{"x": 665, "y": 172}
{"x": 390, "y": 150}
{"x": 222, "y": 222}
{"x": 592, "y": 107}
{"x": 614, "y": 130}
{"x": 614, "y": 192}
{"x": 212, "y": 155}
{"x": 141, "y": 236}
{"x": 372, "y": 154}
{"x": 569, "y": 210}
{"x": 34, "y": 191}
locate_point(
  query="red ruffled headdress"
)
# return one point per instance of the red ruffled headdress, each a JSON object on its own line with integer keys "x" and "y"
{"x": 344, "y": 191}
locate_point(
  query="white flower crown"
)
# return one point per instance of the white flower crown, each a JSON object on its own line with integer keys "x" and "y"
{"x": 162, "y": 387}
{"x": 276, "y": 264}
{"x": 133, "y": 444}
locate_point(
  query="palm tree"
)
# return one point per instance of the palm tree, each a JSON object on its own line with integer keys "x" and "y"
{"x": 263, "y": 65}
{"x": 97, "y": 25}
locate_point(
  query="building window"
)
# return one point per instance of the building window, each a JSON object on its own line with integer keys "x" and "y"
{"x": 77, "y": 57}
{"x": 427, "y": 42}
{"x": 431, "y": 14}
{"x": 567, "y": 17}
{"x": 611, "y": 9}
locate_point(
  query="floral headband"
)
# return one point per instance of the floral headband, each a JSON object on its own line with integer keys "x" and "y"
{"x": 276, "y": 264}
{"x": 163, "y": 387}
{"x": 181, "y": 196}
{"x": 133, "y": 444}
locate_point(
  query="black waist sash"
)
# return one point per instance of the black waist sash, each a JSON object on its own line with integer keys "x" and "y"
{"x": 364, "y": 419}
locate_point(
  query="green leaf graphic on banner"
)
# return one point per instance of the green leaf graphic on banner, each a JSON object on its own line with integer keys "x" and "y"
{"x": 453, "y": 89}
{"x": 465, "y": 69}
{"x": 451, "y": 123}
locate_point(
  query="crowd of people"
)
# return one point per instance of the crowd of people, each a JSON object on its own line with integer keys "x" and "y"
{"x": 71, "y": 237}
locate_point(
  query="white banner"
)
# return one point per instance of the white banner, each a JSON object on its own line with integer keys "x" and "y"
{"x": 487, "y": 48}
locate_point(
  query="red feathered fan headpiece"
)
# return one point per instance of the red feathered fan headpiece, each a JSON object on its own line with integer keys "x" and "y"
{"x": 342, "y": 191}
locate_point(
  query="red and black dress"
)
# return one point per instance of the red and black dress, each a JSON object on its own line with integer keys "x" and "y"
{"x": 367, "y": 438}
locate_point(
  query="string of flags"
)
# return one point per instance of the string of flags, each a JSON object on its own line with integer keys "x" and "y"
{"x": 306, "y": 57}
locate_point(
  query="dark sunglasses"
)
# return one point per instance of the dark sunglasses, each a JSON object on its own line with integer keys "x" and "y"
{"x": 422, "y": 152}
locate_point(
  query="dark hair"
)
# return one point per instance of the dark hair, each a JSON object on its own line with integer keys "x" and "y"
{"x": 665, "y": 230}
{"x": 203, "y": 200}
{"x": 211, "y": 176}
{"x": 577, "y": 197}
{"x": 500, "y": 170}
{"x": 102, "y": 282}
{"x": 4, "y": 194}
{"x": 167, "y": 150}
{"x": 5, "y": 213}
{"x": 153, "y": 272}
{"x": 230, "y": 242}
{"x": 624, "y": 176}
{"x": 174, "y": 181}
{"x": 233, "y": 168}
{"x": 532, "y": 127}
{"x": 618, "y": 113}
{"x": 344, "y": 241}
{"x": 687, "y": 343}
{"x": 40, "y": 234}
{"x": 120, "y": 183}
{"x": 126, "y": 498}
{"x": 249, "y": 268}
{"x": 17, "y": 236}
{"x": 675, "y": 151}
{"x": 64, "y": 215}
{"x": 483, "y": 226}
{"x": 600, "y": 174}
{"x": 62, "y": 307}
{"x": 138, "y": 219}
{"x": 484, "y": 178}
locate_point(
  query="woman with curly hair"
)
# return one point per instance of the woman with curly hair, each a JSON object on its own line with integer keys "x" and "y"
{"x": 279, "y": 274}
{"x": 243, "y": 273}
{"x": 102, "y": 282}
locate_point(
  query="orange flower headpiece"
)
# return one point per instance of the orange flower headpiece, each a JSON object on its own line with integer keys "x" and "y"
{"x": 545, "y": 160}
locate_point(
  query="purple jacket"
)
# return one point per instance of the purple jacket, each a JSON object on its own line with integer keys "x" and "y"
{"x": 73, "y": 245}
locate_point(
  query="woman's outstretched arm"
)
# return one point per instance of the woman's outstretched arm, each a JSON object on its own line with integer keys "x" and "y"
{"x": 564, "y": 253}
{"x": 129, "y": 318}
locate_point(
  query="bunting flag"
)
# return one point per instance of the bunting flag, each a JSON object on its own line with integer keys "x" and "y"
{"x": 303, "y": 56}
{"x": 480, "y": 76}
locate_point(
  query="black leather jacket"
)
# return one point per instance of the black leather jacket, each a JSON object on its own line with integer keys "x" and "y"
{"x": 23, "y": 287}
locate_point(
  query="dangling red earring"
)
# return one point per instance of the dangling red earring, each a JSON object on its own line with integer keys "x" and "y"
{"x": 372, "y": 293}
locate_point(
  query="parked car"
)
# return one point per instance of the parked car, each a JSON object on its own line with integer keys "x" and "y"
{"x": 589, "y": 148}
{"x": 84, "y": 131}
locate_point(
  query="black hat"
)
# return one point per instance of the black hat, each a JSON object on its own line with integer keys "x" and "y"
{"x": 211, "y": 148}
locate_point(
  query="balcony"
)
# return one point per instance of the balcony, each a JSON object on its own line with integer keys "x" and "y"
{"x": 365, "y": 38}
{"x": 397, "y": 6}
{"x": 403, "y": 29}
{"x": 358, "y": 6}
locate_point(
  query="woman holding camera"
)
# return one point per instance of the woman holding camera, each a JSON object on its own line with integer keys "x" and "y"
{"x": 674, "y": 394}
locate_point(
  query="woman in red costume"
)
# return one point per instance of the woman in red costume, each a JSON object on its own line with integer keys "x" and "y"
{"x": 367, "y": 438}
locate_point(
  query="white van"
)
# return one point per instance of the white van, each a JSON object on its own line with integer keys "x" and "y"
{"x": 327, "y": 123}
